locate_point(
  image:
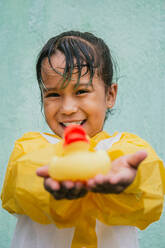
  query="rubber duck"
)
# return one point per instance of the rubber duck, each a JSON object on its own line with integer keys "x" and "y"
{"x": 77, "y": 162}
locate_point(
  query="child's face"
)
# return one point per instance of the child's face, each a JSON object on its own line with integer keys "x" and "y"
{"x": 85, "y": 105}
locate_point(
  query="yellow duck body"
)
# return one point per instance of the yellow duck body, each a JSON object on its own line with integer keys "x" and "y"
{"x": 79, "y": 163}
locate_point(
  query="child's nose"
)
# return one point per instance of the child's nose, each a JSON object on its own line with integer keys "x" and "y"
{"x": 69, "y": 106}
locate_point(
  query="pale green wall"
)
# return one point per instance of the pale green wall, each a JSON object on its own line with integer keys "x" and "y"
{"x": 134, "y": 29}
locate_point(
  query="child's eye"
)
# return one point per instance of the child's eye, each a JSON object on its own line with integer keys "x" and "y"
{"x": 80, "y": 92}
{"x": 52, "y": 95}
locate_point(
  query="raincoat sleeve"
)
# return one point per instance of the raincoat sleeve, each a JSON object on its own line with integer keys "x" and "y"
{"x": 142, "y": 202}
{"x": 139, "y": 205}
{"x": 23, "y": 191}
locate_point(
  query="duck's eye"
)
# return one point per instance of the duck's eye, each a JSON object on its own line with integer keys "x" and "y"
{"x": 80, "y": 92}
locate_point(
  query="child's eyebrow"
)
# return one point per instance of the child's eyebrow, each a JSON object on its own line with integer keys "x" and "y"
{"x": 49, "y": 89}
{"x": 84, "y": 84}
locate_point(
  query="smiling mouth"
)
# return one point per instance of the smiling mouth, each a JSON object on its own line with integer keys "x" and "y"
{"x": 66, "y": 124}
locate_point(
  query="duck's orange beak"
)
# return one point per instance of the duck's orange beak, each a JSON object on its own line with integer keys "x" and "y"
{"x": 74, "y": 133}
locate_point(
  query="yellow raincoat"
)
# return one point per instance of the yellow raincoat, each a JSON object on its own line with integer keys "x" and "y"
{"x": 139, "y": 205}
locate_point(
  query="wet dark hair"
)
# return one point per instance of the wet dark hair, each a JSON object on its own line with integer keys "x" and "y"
{"x": 80, "y": 50}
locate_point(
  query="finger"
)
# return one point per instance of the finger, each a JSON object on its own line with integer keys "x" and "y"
{"x": 78, "y": 190}
{"x": 68, "y": 184}
{"x": 59, "y": 195}
{"x": 115, "y": 189}
{"x": 100, "y": 188}
{"x": 42, "y": 171}
{"x": 80, "y": 185}
{"x": 99, "y": 179}
{"x": 109, "y": 189}
{"x": 82, "y": 192}
{"x": 76, "y": 193}
{"x": 90, "y": 183}
{"x": 123, "y": 177}
{"x": 51, "y": 184}
{"x": 135, "y": 159}
{"x": 97, "y": 182}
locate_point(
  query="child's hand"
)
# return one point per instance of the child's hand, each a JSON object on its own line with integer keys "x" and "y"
{"x": 61, "y": 190}
{"x": 121, "y": 175}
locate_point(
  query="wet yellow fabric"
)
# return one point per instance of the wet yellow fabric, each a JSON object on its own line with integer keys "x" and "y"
{"x": 139, "y": 205}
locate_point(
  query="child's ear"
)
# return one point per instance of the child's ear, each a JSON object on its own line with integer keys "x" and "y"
{"x": 111, "y": 95}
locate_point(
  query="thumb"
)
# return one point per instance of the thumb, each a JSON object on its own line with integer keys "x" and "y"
{"x": 135, "y": 159}
{"x": 42, "y": 171}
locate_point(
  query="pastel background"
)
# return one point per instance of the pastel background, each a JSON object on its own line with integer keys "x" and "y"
{"x": 133, "y": 29}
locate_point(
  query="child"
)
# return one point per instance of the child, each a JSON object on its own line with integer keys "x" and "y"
{"x": 74, "y": 72}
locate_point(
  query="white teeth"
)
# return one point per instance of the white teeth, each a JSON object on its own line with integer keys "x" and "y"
{"x": 66, "y": 124}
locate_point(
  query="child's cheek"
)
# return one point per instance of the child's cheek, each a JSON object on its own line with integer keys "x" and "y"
{"x": 48, "y": 106}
